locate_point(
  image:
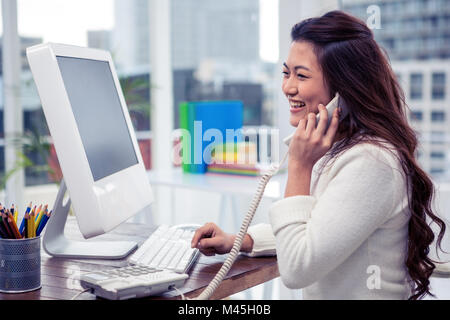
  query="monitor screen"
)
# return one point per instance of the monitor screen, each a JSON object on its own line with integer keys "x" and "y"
{"x": 98, "y": 113}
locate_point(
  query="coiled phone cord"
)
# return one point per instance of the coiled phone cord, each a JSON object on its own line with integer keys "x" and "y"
{"x": 209, "y": 290}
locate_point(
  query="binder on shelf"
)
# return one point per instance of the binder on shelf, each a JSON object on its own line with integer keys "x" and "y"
{"x": 206, "y": 124}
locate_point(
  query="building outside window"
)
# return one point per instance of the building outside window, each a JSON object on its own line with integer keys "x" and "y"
{"x": 436, "y": 171}
{"x": 438, "y": 116}
{"x": 437, "y": 155}
{"x": 416, "y": 85}
{"x": 416, "y": 116}
{"x": 212, "y": 59}
{"x": 416, "y": 39}
{"x": 438, "y": 86}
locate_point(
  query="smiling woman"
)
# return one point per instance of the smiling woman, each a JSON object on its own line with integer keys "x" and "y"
{"x": 353, "y": 223}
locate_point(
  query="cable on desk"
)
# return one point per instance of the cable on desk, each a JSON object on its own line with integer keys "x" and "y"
{"x": 80, "y": 293}
{"x": 179, "y": 291}
{"x": 207, "y": 293}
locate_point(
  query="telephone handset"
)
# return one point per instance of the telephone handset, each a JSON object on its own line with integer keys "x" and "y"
{"x": 207, "y": 293}
{"x": 337, "y": 101}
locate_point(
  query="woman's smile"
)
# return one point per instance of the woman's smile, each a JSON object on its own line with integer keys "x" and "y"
{"x": 296, "y": 105}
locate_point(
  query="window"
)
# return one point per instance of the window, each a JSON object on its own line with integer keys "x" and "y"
{"x": 220, "y": 50}
{"x": 438, "y": 86}
{"x": 416, "y": 116}
{"x": 415, "y": 30}
{"x": 416, "y": 84}
{"x": 225, "y": 63}
{"x": 389, "y": 43}
{"x": 215, "y": 59}
{"x": 437, "y": 171}
{"x": 437, "y": 116}
{"x": 437, "y": 155}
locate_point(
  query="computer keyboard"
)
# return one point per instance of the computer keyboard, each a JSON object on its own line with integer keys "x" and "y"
{"x": 168, "y": 248}
{"x": 160, "y": 264}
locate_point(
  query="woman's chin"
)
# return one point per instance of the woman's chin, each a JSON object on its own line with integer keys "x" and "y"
{"x": 294, "y": 121}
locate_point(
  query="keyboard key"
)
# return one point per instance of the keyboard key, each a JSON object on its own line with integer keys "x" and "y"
{"x": 169, "y": 233}
{"x": 160, "y": 230}
{"x": 177, "y": 234}
{"x": 161, "y": 254}
{"x": 154, "y": 249}
{"x": 168, "y": 258}
{"x": 138, "y": 254}
{"x": 187, "y": 235}
{"x": 173, "y": 264}
{"x": 184, "y": 262}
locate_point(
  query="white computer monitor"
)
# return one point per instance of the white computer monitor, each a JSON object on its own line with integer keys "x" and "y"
{"x": 92, "y": 133}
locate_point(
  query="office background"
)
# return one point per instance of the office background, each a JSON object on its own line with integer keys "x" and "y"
{"x": 207, "y": 50}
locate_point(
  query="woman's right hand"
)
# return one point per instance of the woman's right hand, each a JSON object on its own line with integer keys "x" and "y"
{"x": 211, "y": 240}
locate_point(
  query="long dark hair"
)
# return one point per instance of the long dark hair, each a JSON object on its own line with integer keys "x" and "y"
{"x": 355, "y": 66}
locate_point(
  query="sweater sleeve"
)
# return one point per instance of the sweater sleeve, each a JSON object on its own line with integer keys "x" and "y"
{"x": 314, "y": 236}
{"x": 263, "y": 240}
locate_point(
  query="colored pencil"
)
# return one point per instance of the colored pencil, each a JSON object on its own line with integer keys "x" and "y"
{"x": 32, "y": 223}
{"x": 3, "y": 233}
{"x": 30, "y": 220}
{"x": 22, "y": 225}
{"x": 43, "y": 223}
{"x": 13, "y": 226}
{"x": 41, "y": 218}
{"x": 38, "y": 210}
{"x": 26, "y": 218}
{"x": 14, "y": 212}
{"x": 41, "y": 214}
{"x": 8, "y": 226}
{"x": 5, "y": 222}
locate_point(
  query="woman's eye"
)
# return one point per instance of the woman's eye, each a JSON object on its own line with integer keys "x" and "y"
{"x": 301, "y": 76}
{"x": 286, "y": 74}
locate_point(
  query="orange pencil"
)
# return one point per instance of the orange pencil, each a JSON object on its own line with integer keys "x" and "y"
{"x": 40, "y": 216}
{"x": 13, "y": 226}
{"x": 38, "y": 210}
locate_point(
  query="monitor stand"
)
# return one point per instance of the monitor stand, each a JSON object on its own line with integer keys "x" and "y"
{"x": 57, "y": 245}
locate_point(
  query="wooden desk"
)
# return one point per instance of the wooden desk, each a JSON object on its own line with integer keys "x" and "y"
{"x": 59, "y": 277}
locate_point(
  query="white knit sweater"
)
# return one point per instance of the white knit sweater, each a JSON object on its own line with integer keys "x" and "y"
{"x": 348, "y": 239}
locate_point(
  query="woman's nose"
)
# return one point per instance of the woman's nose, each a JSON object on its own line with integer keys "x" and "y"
{"x": 289, "y": 88}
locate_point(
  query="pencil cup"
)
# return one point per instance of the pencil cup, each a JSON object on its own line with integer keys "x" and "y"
{"x": 20, "y": 265}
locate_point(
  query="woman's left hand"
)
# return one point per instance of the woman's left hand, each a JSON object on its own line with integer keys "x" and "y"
{"x": 309, "y": 142}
